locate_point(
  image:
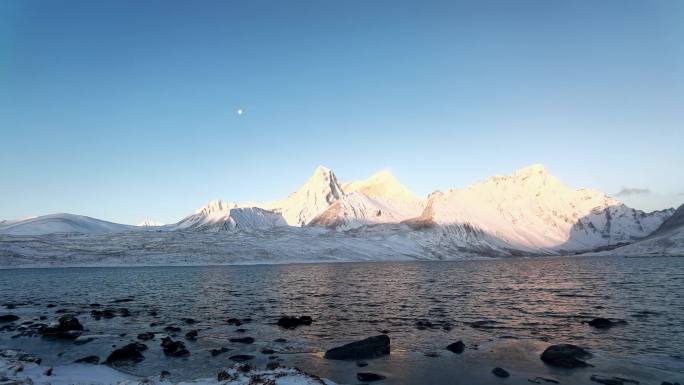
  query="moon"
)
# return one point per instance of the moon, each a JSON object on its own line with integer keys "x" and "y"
{"x": 239, "y": 111}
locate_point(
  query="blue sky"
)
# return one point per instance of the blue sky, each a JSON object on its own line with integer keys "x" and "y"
{"x": 123, "y": 110}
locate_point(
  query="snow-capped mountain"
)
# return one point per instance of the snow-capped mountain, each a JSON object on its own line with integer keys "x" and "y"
{"x": 378, "y": 199}
{"x": 314, "y": 197}
{"x": 667, "y": 240}
{"x": 531, "y": 210}
{"x": 221, "y": 215}
{"x": 61, "y": 223}
{"x": 149, "y": 223}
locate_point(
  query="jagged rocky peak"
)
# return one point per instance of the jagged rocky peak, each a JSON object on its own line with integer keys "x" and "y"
{"x": 317, "y": 194}
{"x": 216, "y": 206}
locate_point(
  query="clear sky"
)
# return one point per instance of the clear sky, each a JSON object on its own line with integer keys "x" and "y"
{"x": 124, "y": 110}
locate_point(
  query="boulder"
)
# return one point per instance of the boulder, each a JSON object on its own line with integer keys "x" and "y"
{"x": 216, "y": 352}
{"x": 146, "y": 336}
{"x": 241, "y": 357}
{"x": 501, "y": 372}
{"x": 8, "y": 318}
{"x": 369, "y": 377}
{"x": 293, "y": 322}
{"x": 566, "y": 356}
{"x": 371, "y": 347}
{"x": 243, "y": 340}
{"x": 192, "y": 334}
{"x": 174, "y": 348}
{"x": 67, "y": 327}
{"x": 93, "y": 360}
{"x": 130, "y": 352}
{"x": 457, "y": 347}
{"x": 603, "y": 323}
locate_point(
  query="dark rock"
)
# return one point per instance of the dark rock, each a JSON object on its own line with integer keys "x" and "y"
{"x": 190, "y": 321}
{"x": 146, "y": 336}
{"x": 48, "y": 371}
{"x": 172, "y": 329}
{"x": 124, "y": 312}
{"x": 241, "y": 330}
{"x": 566, "y": 356}
{"x": 216, "y": 352}
{"x": 94, "y": 360}
{"x": 130, "y": 352}
{"x": 243, "y": 368}
{"x": 234, "y": 321}
{"x": 164, "y": 374}
{"x": 224, "y": 376}
{"x": 603, "y": 323}
{"x": 457, "y": 347}
{"x": 99, "y": 314}
{"x": 281, "y": 340}
{"x": 192, "y": 334}
{"x": 422, "y": 325}
{"x": 369, "y": 377}
{"x": 8, "y": 318}
{"x": 271, "y": 365}
{"x": 67, "y": 327}
{"x": 243, "y": 340}
{"x": 241, "y": 357}
{"x": 371, "y": 347}
{"x": 122, "y": 300}
{"x": 267, "y": 351}
{"x": 612, "y": 380}
{"x": 174, "y": 348}
{"x": 431, "y": 354}
{"x": 293, "y": 322}
{"x": 50, "y": 305}
{"x": 94, "y": 305}
{"x": 361, "y": 364}
{"x": 500, "y": 372}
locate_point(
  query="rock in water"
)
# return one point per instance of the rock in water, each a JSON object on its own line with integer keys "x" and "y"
{"x": 94, "y": 360}
{"x": 501, "y": 372}
{"x": 243, "y": 340}
{"x": 241, "y": 357}
{"x": 130, "y": 352}
{"x": 602, "y": 323}
{"x": 67, "y": 327}
{"x": 146, "y": 336}
{"x": 566, "y": 356}
{"x": 369, "y": 377}
{"x": 456, "y": 347}
{"x": 293, "y": 322}
{"x": 174, "y": 348}
{"x": 8, "y": 318}
{"x": 192, "y": 334}
{"x": 371, "y": 347}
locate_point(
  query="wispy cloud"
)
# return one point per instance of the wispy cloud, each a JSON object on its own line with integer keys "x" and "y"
{"x": 627, "y": 191}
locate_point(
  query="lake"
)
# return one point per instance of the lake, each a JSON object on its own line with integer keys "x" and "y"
{"x": 505, "y": 311}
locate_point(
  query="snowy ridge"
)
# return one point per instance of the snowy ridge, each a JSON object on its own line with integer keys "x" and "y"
{"x": 221, "y": 215}
{"x": 532, "y": 210}
{"x": 61, "y": 223}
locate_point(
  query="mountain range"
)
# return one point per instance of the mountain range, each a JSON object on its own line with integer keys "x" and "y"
{"x": 529, "y": 212}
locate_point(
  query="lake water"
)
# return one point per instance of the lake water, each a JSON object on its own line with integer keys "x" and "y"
{"x": 520, "y": 305}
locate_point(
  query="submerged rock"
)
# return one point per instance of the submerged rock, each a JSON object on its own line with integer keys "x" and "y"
{"x": 243, "y": 340}
{"x": 174, "y": 348}
{"x": 146, "y": 336}
{"x": 94, "y": 360}
{"x": 192, "y": 334}
{"x": 293, "y": 322}
{"x": 8, "y": 318}
{"x": 457, "y": 347}
{"x": 612, "y": 380}
{"x": 241, "y": 357}
{"x": 371, "y": 347}
{"x": 603, "y": 323}
{"x": 130, "y": 352}
{"x": 501, "y": 372}
{"x": 566, "y": 356}
{"x": 216, "y": 352}
{"x": 369, "y": 377}
{"x": 67, "y": 327}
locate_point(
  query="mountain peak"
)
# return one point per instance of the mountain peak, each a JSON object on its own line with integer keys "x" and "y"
{"x": 534, "y": 169}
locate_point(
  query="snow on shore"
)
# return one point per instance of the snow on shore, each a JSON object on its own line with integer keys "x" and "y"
{"x": 17, "y": 367}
